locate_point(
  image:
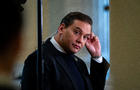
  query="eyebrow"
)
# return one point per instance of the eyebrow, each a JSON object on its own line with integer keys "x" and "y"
{"x": 78, "y": 28}
{"x": 81, "y": 30}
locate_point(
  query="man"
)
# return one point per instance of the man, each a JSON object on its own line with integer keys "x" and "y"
{"x": 10, "y": 40}
{"x": 64, "y": 70}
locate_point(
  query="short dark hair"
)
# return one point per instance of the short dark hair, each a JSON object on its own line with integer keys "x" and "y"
{"x": 69, "y": 18}
{"x": 11, "y": 20}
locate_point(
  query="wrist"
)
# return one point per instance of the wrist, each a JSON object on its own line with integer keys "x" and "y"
{"x": 96, "y": 56}
{"x": 98, "y": 59}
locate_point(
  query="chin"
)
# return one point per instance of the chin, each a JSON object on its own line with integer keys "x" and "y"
{"x": 75, "y": 51}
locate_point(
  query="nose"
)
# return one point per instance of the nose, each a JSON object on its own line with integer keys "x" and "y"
{"x": 80, "y": 39}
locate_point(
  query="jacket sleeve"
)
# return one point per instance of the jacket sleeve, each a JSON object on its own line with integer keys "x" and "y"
{"x": 98, "y": 73}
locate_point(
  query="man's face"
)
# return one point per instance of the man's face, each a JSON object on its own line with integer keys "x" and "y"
{"x": 75, "y": 36}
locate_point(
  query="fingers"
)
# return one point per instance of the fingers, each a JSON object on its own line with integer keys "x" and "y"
{"x": 93, "y": 37}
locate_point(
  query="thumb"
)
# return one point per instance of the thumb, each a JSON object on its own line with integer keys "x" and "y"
{"x": 87, "y": 44}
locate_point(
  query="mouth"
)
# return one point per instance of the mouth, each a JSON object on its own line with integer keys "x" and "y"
{"x": 76, "y": 46}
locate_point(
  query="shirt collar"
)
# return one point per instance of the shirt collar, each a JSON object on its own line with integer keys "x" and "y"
{"x": 56, "y": 45}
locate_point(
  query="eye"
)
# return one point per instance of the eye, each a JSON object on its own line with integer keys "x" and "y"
{"x": 76, "y": 32}
{"x": 86, "y": 37}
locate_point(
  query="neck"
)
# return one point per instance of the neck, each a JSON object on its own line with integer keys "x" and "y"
{"x": 57, "y": 38}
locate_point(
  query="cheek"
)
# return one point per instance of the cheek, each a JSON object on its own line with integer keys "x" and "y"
{"x": 83, "y": 44}
{"x": 70, "y": 38}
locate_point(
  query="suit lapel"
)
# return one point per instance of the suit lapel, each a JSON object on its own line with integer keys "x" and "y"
{"x": 84, "y": 73}
{"x": 61, "y": 62}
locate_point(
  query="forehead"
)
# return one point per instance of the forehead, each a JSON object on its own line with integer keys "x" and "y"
{"x": 82, "y": 26}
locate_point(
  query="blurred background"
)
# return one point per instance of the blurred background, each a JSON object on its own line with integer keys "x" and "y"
{"x": 115, "y": 22}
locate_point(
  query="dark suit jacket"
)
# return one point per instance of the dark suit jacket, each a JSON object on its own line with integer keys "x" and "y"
{"x": 57, "y": 76}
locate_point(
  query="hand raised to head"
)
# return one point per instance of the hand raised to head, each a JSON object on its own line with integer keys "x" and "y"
{"x": 93, "y": 45}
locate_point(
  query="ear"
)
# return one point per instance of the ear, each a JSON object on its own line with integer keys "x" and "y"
{"x": 61, "y": 28}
